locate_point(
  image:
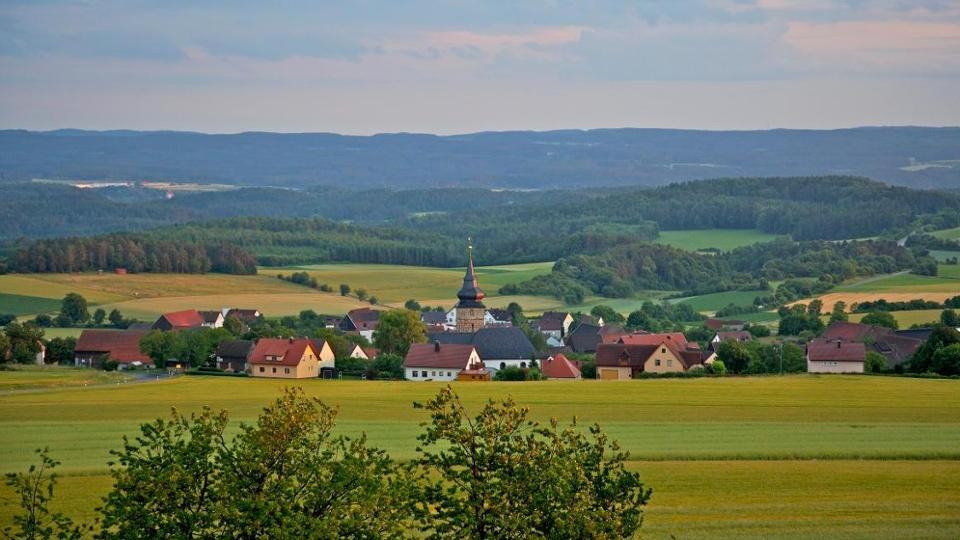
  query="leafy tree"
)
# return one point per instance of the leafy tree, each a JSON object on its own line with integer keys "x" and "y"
{"x": 717, "y": 367}
{"x": 289, "y": 477}
{"x": 374, "y": 300}
{"x": 946, "y": 361}
{"x": 608, "y": 314}
{"x": 74, "y": 308}
{"x": 344, "y": 289}
{"x": 923, "y": 360}
{"x": 397, "y": 330}
{"x": 500, "y": 475}
{"x": 98, "y": 316}
{"x": 43, "y": 320}
{"x": 159, "y": 346}
{"x": 510, "y": 373}
{"x": 361, "y": 294}
{"x": 757, "y": 330}
{"x": 412, "y": 305}
{"x": 7, "y": 319}
{"x": 4, "y": 347}
{"x": 389, "y": 364}
{"x": 874, "y": 362}
{"x": 116, "y": 318}
{"x": 880, "y": 318}
{"x": 839, "y": 312}
{"x": 588, "y": 369}
{"x": 950, "y": 318}
{"x": 61, "y": 350}
{"x": 735, "y": 355}
{"x": 234, "y": 325}
{"x": 34, "y": 491}
{"x": 25, "y": 341}
{"x": 196, "y": 347}
{"x": 700, "y": 334}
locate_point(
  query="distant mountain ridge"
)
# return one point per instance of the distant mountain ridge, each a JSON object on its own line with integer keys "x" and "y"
{"x": 920, "y": 157}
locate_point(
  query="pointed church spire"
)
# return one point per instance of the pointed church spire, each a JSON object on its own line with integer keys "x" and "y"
{"x": 471, "y": 290}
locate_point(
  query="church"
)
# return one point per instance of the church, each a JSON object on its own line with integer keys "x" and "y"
{"x": 498, "y": 346}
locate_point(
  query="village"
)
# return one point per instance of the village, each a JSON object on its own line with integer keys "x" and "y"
{"x": 471, "y": 342}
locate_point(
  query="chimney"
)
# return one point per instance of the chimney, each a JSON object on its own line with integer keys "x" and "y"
{"x": 436, "y": 346}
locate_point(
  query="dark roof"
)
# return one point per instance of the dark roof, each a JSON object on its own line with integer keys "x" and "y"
{"x": 438, "y": 355}
{"x": 318, "y": 344}
{"x": 585, "y": 338}
{"x": 850, "y": 331}
{"x": 433, "y": 317}
{"x": 210, "y": 317}
{"x": 717, "y": 324}
{"x": 551, "y": 321}
{"x": 289, "y": 351}
{"x": 470, "y": 294}
{"x": 235, "y": 348}
{"x": 741, "y": 335}
{"x": 364, "y": 318}
{"x": 896, "y": 349}
{"x": 492, "y": 343}
{"x": 917, "y": 333}
{"x": 835, "y": 350}
{"x": 121, "y": 345}
{"x": 246, "y": 315}
{"x": 500, "y": 315}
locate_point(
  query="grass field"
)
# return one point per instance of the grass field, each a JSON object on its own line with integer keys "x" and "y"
{"x": 896, "y": 288}
{"x": 941, "y": 255}
{"x": 33, "y": 377}
{"x": 714, "y": 301}
{"x": 17, "y": 304}
{"x": 791, "y": 457}
{"x": 949, "y": 234}
{"x": 722, "y": 239}
{"x": 906, "y": 319}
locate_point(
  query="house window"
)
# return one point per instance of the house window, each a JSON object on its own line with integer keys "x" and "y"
{"x": 523, "y": 364}
{"x": 413, "y": 373}
{"x": 656, "y": 362}
{"x": 274, "y": 369}
{"x": 669, "y": 363}
{"x": 663, "y": 350}
{"x": 261, "y": 369}
{"x": 433, "y": 373}
{"x": 503, "y": 365}
{"x": 286, "y": 370}
{"x": 449, "y": 374}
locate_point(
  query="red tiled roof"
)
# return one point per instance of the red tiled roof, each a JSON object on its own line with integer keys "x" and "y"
{"x": 635, "y": 356}
{"x": 287, "y": 351}
{"x": 821, "y": 350}
{"x": 188, "y": 318}
{"x": 434, "y": 355}
{"x": 655, "y": 339}
{"x": 371, "y": 352}
{"x": 122, "y": 345}
{"x": 559, "y": 367}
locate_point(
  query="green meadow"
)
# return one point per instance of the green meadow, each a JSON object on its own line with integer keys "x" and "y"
{"x": 949, "y": 234}
{"x": 16, "y": 304}
{"x": 714, "y": 301}
{"x": 726, "y": 457}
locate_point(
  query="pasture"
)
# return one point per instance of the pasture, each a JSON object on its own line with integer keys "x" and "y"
{"x": 949, "y": 234}
{"x": 896, "y": 288}
{"x": 16, "y": 304}
{"x": 907, "y": 318}
{"x": 722, "y": 239}
{"x": 714, "y": 301}
{"x": 733, "y": 457}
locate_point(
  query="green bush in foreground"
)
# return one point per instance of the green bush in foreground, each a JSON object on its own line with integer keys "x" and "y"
{"x": 493, "y": 475}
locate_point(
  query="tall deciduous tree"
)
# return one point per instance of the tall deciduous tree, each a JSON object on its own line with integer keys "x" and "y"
{"x": 397, "y": 330}
{"x": 74, "y": 309}
{"x": 34, "y": 490}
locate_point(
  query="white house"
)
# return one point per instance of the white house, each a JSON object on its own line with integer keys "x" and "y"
{"x": 439, "y": 362}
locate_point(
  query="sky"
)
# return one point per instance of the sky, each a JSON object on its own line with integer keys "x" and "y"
{"x": 365, "y": 66}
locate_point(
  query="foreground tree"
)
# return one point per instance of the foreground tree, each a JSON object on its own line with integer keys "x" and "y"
{"x": 499, "y": 475}
{"x": 286, "y": 476}
{"x": 34, "y": 490}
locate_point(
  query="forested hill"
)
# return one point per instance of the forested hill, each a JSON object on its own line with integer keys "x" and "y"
{"x": 913, "y": 156}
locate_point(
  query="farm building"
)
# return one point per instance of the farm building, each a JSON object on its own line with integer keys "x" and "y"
{"x": 362, "y": 321}
{"x": 498, "y": 346}
{"x": 94, "y": 347}
{"x": 232, "y": 355}
{"x": 212, "y": 319}
{"x": 179, "y": 320}
{"x": 441, "y": 361}
{"x": 735, "y": 335}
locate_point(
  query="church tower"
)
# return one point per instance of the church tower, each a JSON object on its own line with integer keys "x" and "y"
{"x": 470, "y": 309}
